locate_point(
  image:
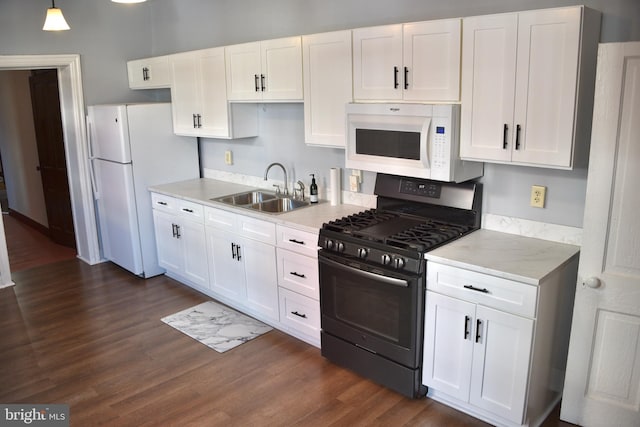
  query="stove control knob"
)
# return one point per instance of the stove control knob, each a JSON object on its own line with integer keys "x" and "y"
{"x": 386, "y": 259}
{"x": 398, "y": 263}
{"x": 340, "y": 247}
{"x": 362, "y": 253}
{"x": 328, "y": 244}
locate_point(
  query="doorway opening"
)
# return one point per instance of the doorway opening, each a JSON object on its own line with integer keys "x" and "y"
{"x": 35, "y": 194}
{"x": 75, "y": 137}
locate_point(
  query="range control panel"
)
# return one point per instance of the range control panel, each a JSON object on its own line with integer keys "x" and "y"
{"x": 421, "y": 188}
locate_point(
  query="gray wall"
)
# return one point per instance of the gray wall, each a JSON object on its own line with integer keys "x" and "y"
{"x": 104, "y": 33}
{"x": 107, "y": 34}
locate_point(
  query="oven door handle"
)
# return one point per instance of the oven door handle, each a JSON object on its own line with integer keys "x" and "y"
{"x": 367, "y": 274}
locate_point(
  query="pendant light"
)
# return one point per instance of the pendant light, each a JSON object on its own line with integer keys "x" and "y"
{"x": 55, "y": 20}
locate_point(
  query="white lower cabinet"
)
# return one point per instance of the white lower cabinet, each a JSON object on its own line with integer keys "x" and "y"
{"x": 242, "y": 261}
{"x": 298, "y": 283}
{"x": 490, "y": 346}
{"x": 477, "y": 354}
{"x": 265, "y": 270}
{"x": 179, "y": 230}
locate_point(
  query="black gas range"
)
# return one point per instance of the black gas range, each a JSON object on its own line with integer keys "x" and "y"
{"x": 373, "y": 275}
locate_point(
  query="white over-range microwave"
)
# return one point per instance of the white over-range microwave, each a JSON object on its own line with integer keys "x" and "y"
{"x": 417, "y": 140}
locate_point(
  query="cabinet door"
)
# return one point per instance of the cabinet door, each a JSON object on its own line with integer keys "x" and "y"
{"x": 431, "y": 70}
{"x": 501, "y": 355}
{"x": 261, "y": 276}
{"x": 243, "y": 72}
{"x": 149, "y": 73}
{"x": 328, "y": 87}
{"x": 377, "y": 63}
{"x": 226, "y": 271}
{"x": 214, "y": 110}
{"x": 448, "y": 345}
{"x": 488, "y": 82}
{"x": 546, "y": 85}
{"x": 194, "y": 252}
{"x": 281, "y": 61}
{"x": 168, "y": 247}
{"x": 184, "y": 93}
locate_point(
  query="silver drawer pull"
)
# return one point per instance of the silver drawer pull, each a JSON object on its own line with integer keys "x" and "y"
{"x": 473, "y": 288}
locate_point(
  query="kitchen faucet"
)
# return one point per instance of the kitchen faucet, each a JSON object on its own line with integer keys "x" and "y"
{"x": 266, "y": 172}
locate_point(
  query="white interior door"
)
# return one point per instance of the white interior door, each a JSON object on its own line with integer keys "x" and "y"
{"x": 602, "y": 384}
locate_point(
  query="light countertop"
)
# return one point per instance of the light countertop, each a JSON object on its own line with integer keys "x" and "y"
{"x": 509, "y": 256}
{"x": 203, "y": 190}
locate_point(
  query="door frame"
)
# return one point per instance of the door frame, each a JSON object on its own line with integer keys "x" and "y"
{"x": 75, "y": 141}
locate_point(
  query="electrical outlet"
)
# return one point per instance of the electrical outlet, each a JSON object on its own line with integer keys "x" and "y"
{"x": 538, "y": 194}
{"x": 228, "y": 157}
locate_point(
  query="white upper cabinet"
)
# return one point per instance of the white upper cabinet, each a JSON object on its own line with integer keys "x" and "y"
{"x": 412, "y": 62}
{"x": 268, "y": 70}
{"x": 522, "y": 77}
{"x": 149, "y": 73}
{"x": 199, "y": 98}
{"x": 327, "y": 71}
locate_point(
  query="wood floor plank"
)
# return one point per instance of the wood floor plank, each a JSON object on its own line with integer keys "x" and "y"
{"x": 91, "y": 337}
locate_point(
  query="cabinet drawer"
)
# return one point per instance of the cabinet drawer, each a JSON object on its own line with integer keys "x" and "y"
{"x": 190, "y": 210}
{"x": 221, "y": 219}
{"x": 298, "y": 273}
{"x": 164, "y": 203}
{"x": 298, "y": 241}
{"x": 495, "y": 292}
{"x": 256, "y": 229}
{"x": 300, "y": 313}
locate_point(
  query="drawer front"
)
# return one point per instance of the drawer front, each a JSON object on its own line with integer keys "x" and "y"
{"x": 190, "y": 210}
{"x": 298, "y": 241}
{"x": 164, "y": 203}
{"x": 262, "y": 231}
{"x": 298, "y": 273}
{"x": 300, "y": 313}
{"x": 490, "y": 291}
{"x": 222, "y": 219}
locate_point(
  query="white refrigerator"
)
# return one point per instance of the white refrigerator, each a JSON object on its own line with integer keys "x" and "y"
{"x": 132, "y": 147}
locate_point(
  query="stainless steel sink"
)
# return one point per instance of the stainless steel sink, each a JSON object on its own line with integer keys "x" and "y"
{"x": 246, "y": 198}
{"x": 280, "y": 205}
{"x": 263, "y": 201}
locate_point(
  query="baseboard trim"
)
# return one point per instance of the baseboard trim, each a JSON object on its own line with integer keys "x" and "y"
{"x": 28, "y": 221}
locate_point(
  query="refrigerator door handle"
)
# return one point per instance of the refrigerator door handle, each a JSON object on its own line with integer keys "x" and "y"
{"x": 92, "y": 172}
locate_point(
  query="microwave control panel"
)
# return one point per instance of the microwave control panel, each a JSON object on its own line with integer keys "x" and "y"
{"x": 441, "y": 136}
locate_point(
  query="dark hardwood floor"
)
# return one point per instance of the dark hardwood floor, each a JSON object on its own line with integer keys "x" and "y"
{"x": 91, "y": 337}
{"x": 29, "y": 247}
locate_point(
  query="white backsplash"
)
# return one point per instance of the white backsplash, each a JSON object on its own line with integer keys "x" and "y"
{"x": 505, "y": 224}
{"x": 348, "y": 197}
{"x": 528, "y": 228}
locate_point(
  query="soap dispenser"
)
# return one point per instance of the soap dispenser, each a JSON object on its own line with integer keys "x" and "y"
{"x": 313, "y": 190}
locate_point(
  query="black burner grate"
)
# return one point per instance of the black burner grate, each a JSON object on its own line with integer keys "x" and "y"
{"x": 427, "y": 235}
{"x": 420, "y": 235}
{"x": 352, "y": 223}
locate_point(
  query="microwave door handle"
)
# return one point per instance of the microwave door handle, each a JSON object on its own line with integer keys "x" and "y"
{"x": 427, "y": 142}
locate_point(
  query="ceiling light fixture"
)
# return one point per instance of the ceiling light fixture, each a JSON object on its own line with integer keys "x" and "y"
{"x": 128, "y": 1}
{"x": 55, "y": 20}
